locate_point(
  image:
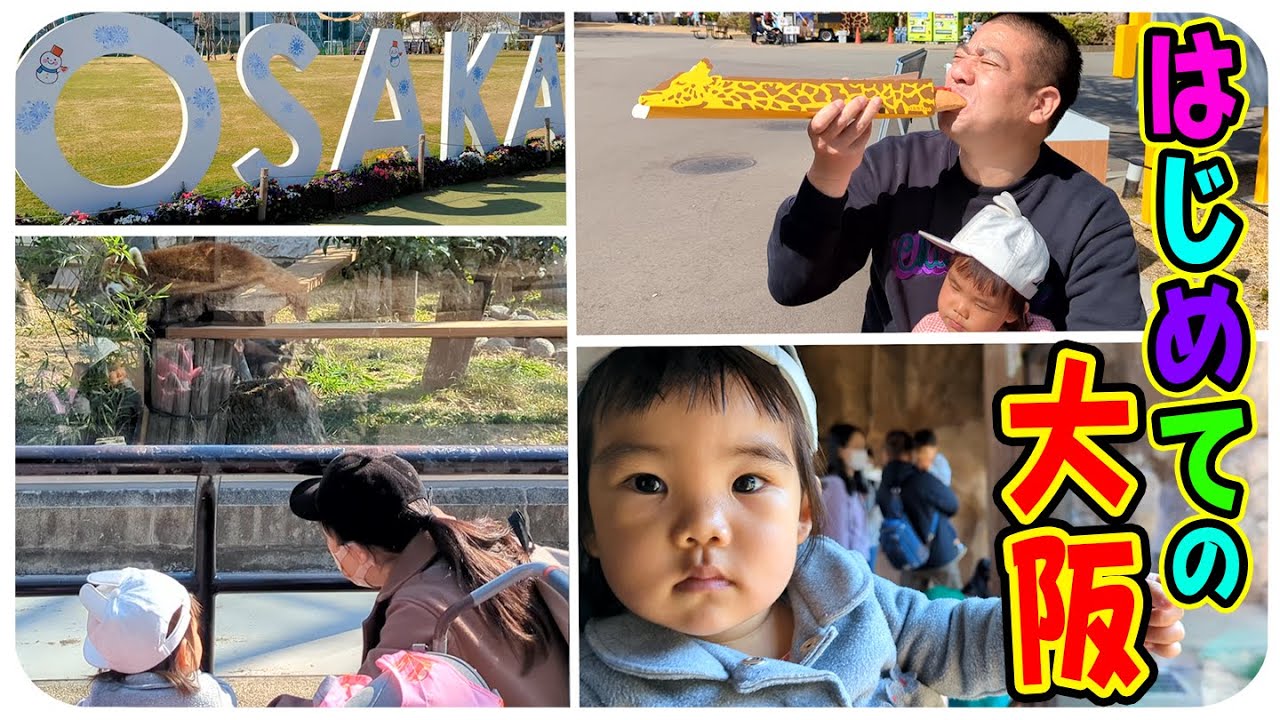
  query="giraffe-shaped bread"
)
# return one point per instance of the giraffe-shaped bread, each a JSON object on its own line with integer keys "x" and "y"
{"x": 697, "y": 93}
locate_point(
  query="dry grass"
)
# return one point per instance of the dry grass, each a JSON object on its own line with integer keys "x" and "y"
{"x": 118, "y": 119}
{"x": 1249, "y": 263}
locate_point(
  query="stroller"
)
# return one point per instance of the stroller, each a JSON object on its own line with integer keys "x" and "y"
{"x": 431, "y": 677}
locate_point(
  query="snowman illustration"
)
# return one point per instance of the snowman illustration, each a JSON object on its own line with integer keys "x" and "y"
{"x": 51, "y": 67}
{"x": 396, "y": 52}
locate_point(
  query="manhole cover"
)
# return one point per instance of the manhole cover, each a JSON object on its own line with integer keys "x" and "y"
{"x": 713, "y": 165}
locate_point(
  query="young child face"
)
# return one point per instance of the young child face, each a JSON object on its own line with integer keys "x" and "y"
{"x": 965, "y": 308}
{"x": 697, "y": 513}
{"x": 925, "y": 455}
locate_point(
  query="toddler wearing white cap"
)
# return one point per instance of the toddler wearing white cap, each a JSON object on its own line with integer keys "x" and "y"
{"x": 144, "y": 637}
{"x": 999, "y": 261}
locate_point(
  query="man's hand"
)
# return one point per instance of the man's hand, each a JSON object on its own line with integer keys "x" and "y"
{"x": 839, "y": 135}
{"x": 1165, "y": 631}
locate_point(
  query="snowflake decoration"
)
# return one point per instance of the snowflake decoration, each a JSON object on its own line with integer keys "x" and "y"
{"x": 377, "y": 71}
{"x": 111, "y": 37}
{"x": 198, "y": 124}
{"x": 287, "y": 107}
{"x": 456, "y": 115}
{"x": 459, "y": 63}
{"x": 32, "y": 115}
{"x": 204, "y": 99}
{"x": 189, "y": 61}
{"x": 296, "y": 46}
{"x": 403, "y": 87}
{"x": 477, "y": 74}
{"x": 257, "y": 65}
{"x": 554, "y": 82}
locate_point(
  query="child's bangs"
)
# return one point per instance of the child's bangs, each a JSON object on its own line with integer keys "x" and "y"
{"x": 633, "y": 380}
{"x": 984, "y": 281}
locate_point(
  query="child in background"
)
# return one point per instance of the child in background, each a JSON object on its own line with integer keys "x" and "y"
{"x": 144, "y": 636}
{"x": 929, "y": 458}
{"x": 706, "y": 581}
{"x": 999, "y": 260}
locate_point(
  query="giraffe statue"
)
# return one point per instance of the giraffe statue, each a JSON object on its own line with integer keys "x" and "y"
{"x": 697, "y": 93}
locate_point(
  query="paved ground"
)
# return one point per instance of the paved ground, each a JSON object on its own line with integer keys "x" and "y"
{"x": 661, "y": 251}
{"x": 278, "y": 635}
{"x": 529, "y": 199}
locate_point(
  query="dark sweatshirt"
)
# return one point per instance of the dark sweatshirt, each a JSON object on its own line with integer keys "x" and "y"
{"x": 922, "y": 494}
{"x": 913, "y": 182}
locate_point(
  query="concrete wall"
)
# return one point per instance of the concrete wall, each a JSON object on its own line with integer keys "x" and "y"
{"x": 61, "y": 530}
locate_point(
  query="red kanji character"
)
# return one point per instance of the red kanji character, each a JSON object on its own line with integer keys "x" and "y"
{"x": 1065, "y": 427}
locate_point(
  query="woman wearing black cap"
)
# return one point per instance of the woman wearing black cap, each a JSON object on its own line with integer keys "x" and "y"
{"x": 383, "y": 534}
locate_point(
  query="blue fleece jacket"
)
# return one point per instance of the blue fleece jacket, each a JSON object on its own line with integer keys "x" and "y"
{"x": 859, "y": 640}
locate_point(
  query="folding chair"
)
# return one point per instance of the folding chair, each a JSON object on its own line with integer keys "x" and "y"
{"x": 910, "y": 64}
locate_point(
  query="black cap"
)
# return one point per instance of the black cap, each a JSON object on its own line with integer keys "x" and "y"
{"x": 361, "y": 497}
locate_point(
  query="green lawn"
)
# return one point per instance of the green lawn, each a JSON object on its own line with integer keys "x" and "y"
{"x": 537, "y": 198}
{"x": 118, "y": 119}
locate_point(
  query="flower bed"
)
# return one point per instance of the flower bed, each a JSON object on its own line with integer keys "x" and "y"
{"x": 390, "y": 176}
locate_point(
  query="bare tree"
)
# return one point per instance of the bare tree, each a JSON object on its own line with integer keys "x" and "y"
{"x": 206, "y": 28}
{"x": 474, "y": 24}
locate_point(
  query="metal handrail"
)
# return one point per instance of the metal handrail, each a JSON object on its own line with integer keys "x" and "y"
{"x": 36, "y": 460}
{"x": 209, "y": 461}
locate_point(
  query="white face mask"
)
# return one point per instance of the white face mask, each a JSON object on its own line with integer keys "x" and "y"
{"x": 860, "y": 459}
{"x": 360, "y": 575}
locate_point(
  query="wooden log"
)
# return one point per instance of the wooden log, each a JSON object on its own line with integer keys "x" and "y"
{"x": 448, "y": 357}
{"x": 301, "y": 331}
{"x": 181, "y": 432}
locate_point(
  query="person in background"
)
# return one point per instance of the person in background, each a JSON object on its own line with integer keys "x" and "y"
{"x": 846, "y": 493}
{"x": 928, "y": 458}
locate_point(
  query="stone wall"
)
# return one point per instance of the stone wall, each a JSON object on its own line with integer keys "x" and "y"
{"x": 71, "y": 531}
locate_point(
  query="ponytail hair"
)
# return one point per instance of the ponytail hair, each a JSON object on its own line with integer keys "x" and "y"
{"x": 480, "y": 550}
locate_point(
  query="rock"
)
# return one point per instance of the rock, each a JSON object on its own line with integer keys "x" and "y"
{"x": 499, "y": 312}
{"x": 541, "y": 348}
{"x": 279, "y": 247}
{"x": 562, "y": 358}
{"x": 496, "y": 345}
{"x": 525, "y": 314}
